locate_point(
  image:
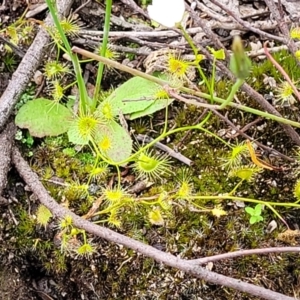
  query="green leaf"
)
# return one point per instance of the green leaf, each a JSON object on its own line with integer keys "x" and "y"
{"x": 217, "y": 54}
{"x": 256, "y": 219}
{"x": 156, "y": 106}
{"x": 120, "y": 142}
{"x": 250, "y": 210}
{"x": 134, "y": 95}
{"x": 257, "y": 209}
{"x": 43, "y": 117}
{"x": 75, "y": 137}
{"x": 259, "y": 218}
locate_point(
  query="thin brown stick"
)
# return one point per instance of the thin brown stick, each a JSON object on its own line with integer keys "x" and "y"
{"x": 7, "y": 138}
{"x": 239, "y": 253}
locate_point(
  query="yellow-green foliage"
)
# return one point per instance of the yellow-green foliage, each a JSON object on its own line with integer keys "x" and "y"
{"x": 155, "y": 217}
{"x": 43, "y": 215}
{"x": 297, "y": 190}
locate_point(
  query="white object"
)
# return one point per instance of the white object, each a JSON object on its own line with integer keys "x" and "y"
{"x": 166, "y": 12}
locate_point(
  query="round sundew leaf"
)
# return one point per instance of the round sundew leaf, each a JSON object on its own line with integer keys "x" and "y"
{"x": 43, "y": 117}
{"x": 114, "y": 142}
{"x": 134, "y": 95}
{"x": 75, "y": 136}
{"x": 156, "y": 106}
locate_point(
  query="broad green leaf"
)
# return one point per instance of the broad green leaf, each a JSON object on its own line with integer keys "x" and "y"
{"x": 255, "y": 219}
{"x": 134, "y": 95}
{"x": 257, "y": 209}
{"x": 250, "y": 210}
{"x": 156, "y": 106}
{"x": 259, "y": 218}
{"x": 43, "y": 117}
{"x": 114, "y": 142}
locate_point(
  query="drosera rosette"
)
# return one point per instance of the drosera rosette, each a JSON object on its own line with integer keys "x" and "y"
{"x": 100, "y": 171}
{"x": 168, "y": 13}
{"x": 179, "y": 67}
{"x": 104, "y": 144}
{"x": 114, "y": 219}
{"x": 155, "y": 217}
{"x": 107, "y": 111}
{"x": 43, "y": 215}
{"x": 116, "y": 199}
{"x": 285, "y": 94}
{"x": 108, "y": 139}
{"x": 164, "y": 201}
{"x": 56, "y": 90}
{"x": 83, "y": 129}
{"x": 86, "y": 249}
{"x": 297, "y": 54}
{"x": 246, "y": 173}
{"x": 114, "y": 195}
{"x": 70, "y": 27}
{"x": 54, "y": 69}
{"x": 151, "y": 166}
{"x": 109, "y": 52}
{"x": 78, "y": 243}
{"x": 185, "y": 185}
{"x": 235, "y": 157}
{"x": 160, "y": 93}
{"x": 295, "y": 33}
{"x": 66, "y": 222}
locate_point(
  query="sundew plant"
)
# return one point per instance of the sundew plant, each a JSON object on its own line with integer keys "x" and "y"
{"x": 98, "y": 124}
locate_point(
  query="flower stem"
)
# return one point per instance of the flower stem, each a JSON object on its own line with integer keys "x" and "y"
{"x": 103, "y": 52}
{"x": 233, "y": 91}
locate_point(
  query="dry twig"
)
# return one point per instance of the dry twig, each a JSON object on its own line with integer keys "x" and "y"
{"x": 7, "y": 138}
{"x": 240, "y": 253}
